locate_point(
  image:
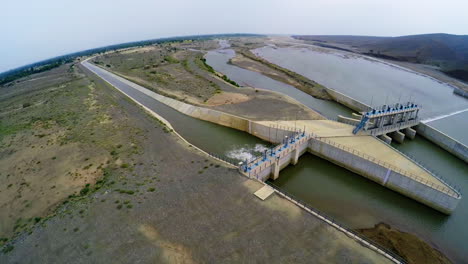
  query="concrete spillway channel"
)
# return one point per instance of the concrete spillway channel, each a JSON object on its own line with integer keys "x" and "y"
{"x": 362, "y": 154}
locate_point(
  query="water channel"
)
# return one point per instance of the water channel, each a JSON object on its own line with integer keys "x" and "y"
{"x": 343, "y": 195}
{"x": 350, "y": 198}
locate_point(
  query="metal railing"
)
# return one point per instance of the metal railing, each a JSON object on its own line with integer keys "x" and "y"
{"x": 353, "y": 234}
{"x": 431, "y": 171}
{"x": 258, "y": 164}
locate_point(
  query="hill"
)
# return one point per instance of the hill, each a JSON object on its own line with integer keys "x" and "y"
{"x": 448, "y": 52}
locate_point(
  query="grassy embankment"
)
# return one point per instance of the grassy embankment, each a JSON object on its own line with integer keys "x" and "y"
{"x": 163, "y": 69}
{"x": 184, "y": 75}
{"x": 62, "y": 137}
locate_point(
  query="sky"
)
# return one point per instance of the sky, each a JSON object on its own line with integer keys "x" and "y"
{"x": 34, "y": 30}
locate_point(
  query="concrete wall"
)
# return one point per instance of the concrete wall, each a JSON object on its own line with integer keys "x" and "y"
{"x": 202, "y": 113}
{"x": 348, "y": 120}
{"x": 444, "y": 141}
{"x": 274, "y": 134}
{"x": 265, "y": 170}
{"x": 435, "y": 136}
{"x": 393, "y": 180}
{"x": 460, "y": 92}
{"x": 347, "y": 101}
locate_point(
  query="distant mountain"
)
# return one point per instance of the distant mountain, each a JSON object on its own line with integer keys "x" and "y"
{"x": 449, "y": 52}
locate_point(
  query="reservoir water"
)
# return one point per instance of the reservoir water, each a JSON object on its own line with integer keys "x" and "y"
{"x": 371, "y": 81}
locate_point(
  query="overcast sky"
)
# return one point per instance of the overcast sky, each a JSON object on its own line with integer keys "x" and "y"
{"x": 33, "y": 30}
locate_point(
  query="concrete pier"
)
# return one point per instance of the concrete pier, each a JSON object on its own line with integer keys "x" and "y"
{"x": 397, "y": 136}
{"x": 385, "y": 138}
{"x": 409, "y": 132}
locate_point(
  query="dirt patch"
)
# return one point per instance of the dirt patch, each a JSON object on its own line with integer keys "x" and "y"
{"x": 267, "y": 105}
{"x": 406, "y": 245}
{"x": 171, "y": 252}
{"x": 227, "y": 98}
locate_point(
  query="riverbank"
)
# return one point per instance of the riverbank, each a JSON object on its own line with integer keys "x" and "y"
{"x": 247, "y": 60}
{"x": 413, "y": 249}
{"x": 199, "y": 85}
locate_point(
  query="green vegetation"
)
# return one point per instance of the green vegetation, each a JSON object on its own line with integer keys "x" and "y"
{"x": 85, "y": 190}
{"x": 8, "y": 248}
{"x": 225, "y": 78}
{"x": 125, "y": 191}
{"x": 300, "y": 82}
{"x": 206, "y": 66}
{"x": 170, "y": 59}
{"x": 31, "y": 69}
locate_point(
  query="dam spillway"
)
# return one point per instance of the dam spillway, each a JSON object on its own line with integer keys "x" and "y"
{"x": 364, "y": 155}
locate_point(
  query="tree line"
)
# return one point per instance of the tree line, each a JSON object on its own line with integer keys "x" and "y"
{"x": 49, "y": 64}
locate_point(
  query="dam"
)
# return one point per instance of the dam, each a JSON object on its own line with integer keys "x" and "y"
{"x": 334, "y": 141}
{"x": 364, "y": 155}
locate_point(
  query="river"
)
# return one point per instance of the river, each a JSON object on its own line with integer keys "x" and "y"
{"x": 372, "y": 82}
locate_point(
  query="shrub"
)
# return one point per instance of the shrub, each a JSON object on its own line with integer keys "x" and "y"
{"x": 124, "y": 165}
{"x": 151, "y": 189}
{"x": 84, "y": 191}
{"x": 126, "y": 191}
{"x": 26, "y": 105}
{"x": 8, "y": 248}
